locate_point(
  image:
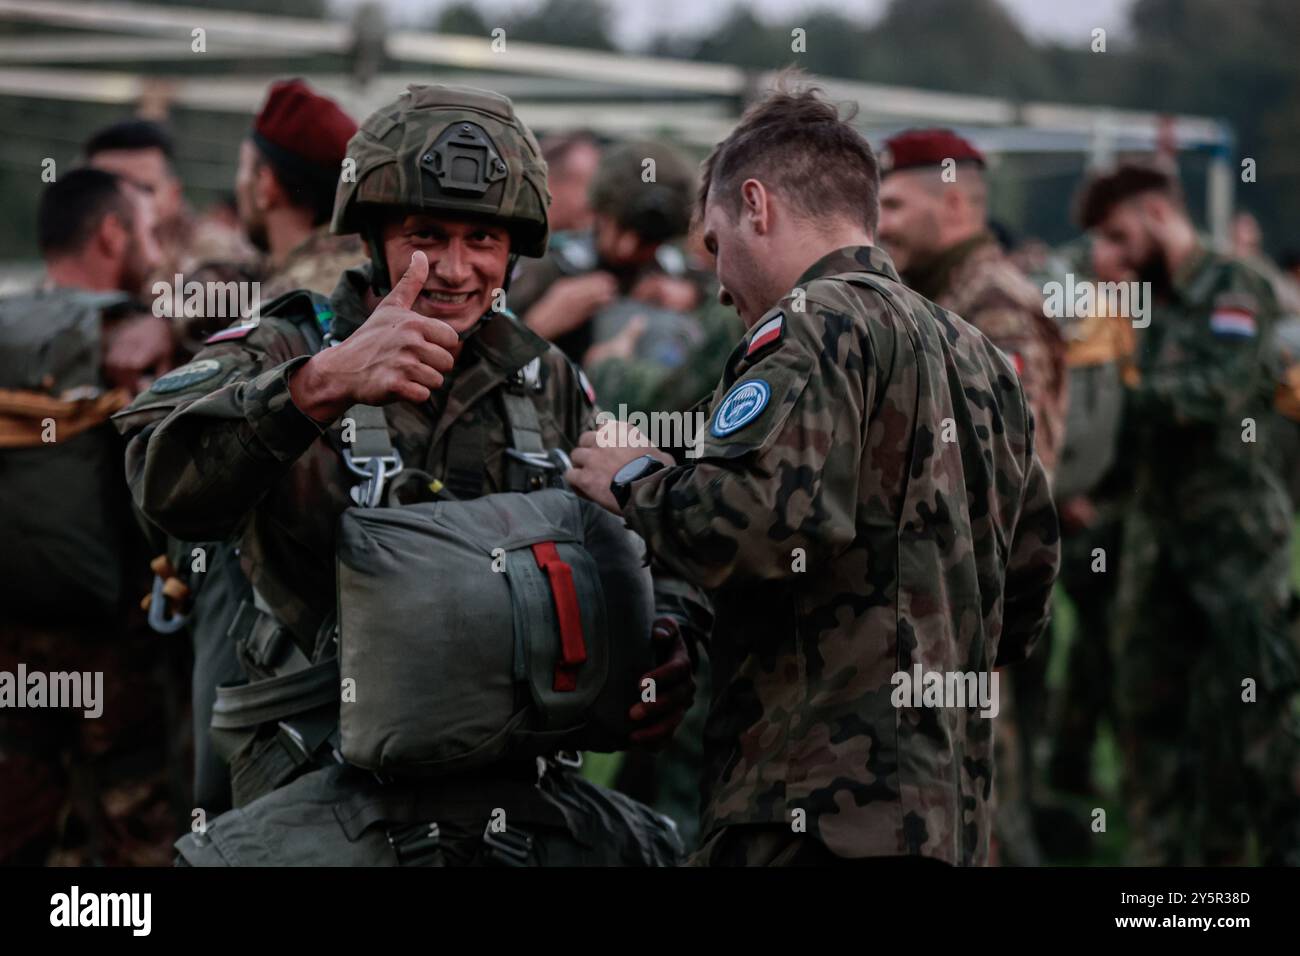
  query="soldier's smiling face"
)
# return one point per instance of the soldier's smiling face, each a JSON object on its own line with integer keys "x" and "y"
{"x": 467, "y": 264}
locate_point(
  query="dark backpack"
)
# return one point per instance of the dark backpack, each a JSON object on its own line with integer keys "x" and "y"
{"x": 64, "y": 502}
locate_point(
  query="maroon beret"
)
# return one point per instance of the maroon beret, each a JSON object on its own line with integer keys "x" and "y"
{"x": 926, "y": 147}
{"x": 297, "y": 124}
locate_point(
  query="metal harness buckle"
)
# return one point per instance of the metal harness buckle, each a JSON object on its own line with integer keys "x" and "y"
{"x": 507, "y": 848}
{"x": 542, "y": 469}
{"x": 417, "y": 844}
{"x": 376, "y": 470}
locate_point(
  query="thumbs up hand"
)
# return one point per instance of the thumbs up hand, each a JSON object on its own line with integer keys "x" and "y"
{"x": 397, "y": 355}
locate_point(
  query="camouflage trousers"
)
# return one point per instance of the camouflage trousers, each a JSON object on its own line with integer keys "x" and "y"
{"x": 1208, "y": 718}
{"x": 766, "y": 845}
{"x": 79, "y": 791}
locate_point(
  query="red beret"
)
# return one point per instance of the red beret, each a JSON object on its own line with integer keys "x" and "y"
{"x": 306, "y": 126}
{"x": 926, "y": 147}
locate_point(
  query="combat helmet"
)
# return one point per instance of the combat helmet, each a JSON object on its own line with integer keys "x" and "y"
{"x": 452, "y": 149}
{"x": 656, "y": 210}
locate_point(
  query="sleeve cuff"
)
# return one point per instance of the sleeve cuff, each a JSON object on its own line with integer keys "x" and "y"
{"x": 280, "y": 425}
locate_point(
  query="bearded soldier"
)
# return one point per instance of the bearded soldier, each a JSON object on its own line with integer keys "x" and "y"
{"x": 1206, "y": 669}
{"x": 251, "y": 440}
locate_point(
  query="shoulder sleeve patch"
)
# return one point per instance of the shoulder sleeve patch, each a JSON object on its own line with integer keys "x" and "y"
{"x": 741, "y": 406}
{"x": 232, "y": 333}
{"x": 768, "y": 333}
{"x": 586, "y": 386}
{"x": 1233, "y": 316}
{"x": 186, "y": 376}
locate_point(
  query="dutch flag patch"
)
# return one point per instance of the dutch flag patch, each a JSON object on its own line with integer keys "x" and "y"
{"x": 1233, "y": 322}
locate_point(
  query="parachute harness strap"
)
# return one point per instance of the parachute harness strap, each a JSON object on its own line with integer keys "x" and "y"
{"x": 371, "y": 455}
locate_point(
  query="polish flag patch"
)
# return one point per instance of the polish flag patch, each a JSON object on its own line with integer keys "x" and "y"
{"x": 234, "y": 332}
{"x": 766, "y": 334}
{"x": 586, "y": 386}
{"x": 1236, "y": 322}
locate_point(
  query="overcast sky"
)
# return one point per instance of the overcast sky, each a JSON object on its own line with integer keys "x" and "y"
{"x": 634, "y": 20}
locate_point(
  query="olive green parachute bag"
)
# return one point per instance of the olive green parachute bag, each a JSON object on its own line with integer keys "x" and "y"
{"x": 507, "y": 626}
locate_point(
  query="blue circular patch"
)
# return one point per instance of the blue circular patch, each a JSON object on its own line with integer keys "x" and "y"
{"x": 742, "y": 405}
{"x": 185, "y": 376}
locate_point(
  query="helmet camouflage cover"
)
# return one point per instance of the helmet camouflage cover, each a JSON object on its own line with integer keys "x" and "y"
{"x": 452, "y": 149}
{"x": 658, "y": 208}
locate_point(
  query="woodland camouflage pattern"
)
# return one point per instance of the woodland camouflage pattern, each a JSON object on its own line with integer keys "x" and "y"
{"x": 918, "y": 551}
{"x": 977, "y": 281}
{"x": 1203, "y": 598}
{"x": 233, "y": 455}
{"x": 314, "y": 264}
{"x": 394, "y": 154}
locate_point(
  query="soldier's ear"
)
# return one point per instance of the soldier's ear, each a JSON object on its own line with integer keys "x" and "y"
{"x": 112, "y": 238}
{"x": 756, "y": 205}
{"x": 267, "y": 191}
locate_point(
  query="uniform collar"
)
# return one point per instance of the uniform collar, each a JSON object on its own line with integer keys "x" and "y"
{"x": 851, "y": 259}
{"x": 1183, "y": 281}
{"x": 931, "y": 278}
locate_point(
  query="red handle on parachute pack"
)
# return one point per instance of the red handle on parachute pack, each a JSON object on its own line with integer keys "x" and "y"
{"x": 573, "y": 647}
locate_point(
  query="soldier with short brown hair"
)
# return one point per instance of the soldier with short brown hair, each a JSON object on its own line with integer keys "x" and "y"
{"x": 866, "y": 507}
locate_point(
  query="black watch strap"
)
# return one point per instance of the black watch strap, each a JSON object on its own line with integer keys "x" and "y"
{"x": 634, "y": 470}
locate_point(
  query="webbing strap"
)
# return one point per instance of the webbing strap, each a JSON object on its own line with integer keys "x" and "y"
{"x": 525, "y": 426}
{"x": 466, "y": 452}
{"x": 371, "y": 438}
{"x": 573, "y": 647}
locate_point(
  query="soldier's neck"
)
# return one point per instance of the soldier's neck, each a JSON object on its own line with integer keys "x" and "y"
{"x": 79, "y": 273}
{"x": 1180, "y": 246}
{"x": 286, "y": 230}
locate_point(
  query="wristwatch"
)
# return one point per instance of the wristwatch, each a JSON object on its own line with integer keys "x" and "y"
{"x": 634, "y": 470}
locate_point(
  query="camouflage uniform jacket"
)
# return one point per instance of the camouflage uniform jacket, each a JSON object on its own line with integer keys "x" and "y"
{"x": 571, "y": 254}
{"x": 315, "y": 264}
{"x": 976, "y": 280}
{"x": 845, "y": 541}
{"x": 1202, "y": 382}
{"x": 218, "y": 448}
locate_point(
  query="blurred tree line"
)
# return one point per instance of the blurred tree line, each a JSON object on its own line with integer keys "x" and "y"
{"x": 1234, "y": 60}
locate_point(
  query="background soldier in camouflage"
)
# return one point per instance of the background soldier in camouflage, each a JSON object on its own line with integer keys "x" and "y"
{"x": 934, "y": 224}
{"x": 936, "y": 231}
{"x": 625, "y": 254}
{"x": 1206, "y": 673}
{"x": 571, "y": 161}
{"x": 1091, "y": 490}
{"x": 77, "y": 790}
{"x": 844, "y": 538}
{"x": 245, "y": 440}
{"x": 143, "y": 152}
{"x": 289, "y": 169}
